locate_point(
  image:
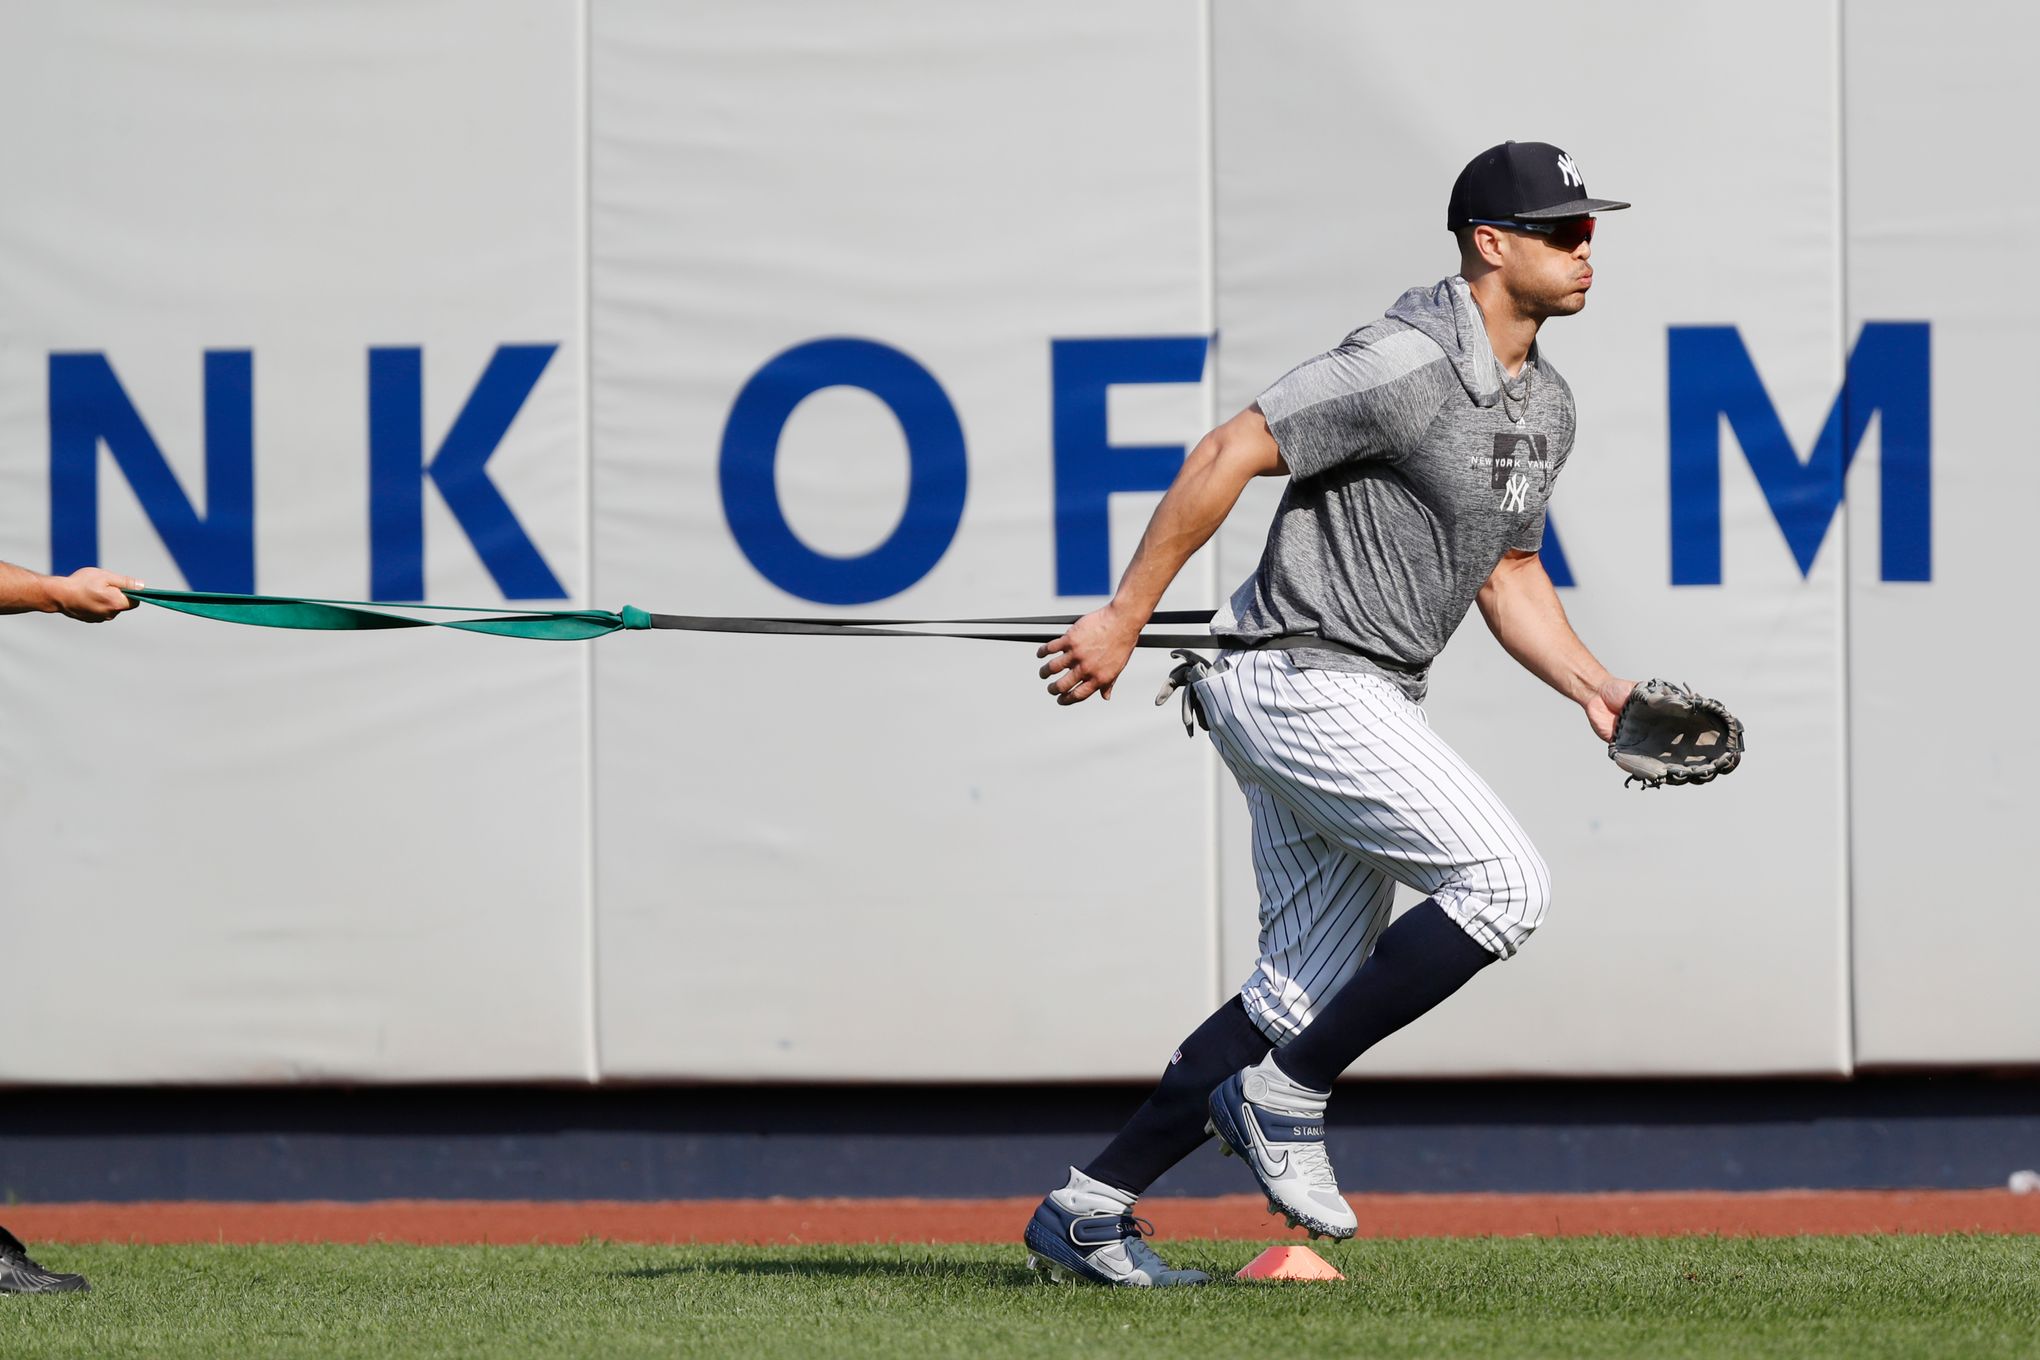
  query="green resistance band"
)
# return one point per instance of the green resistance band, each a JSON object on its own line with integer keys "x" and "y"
{"x": 579, "y": 625}
{"x": 289, "y": 611}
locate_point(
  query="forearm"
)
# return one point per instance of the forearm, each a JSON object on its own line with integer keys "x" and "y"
{"x": 23, "y": 591}
{"x": 1088, "y": 658}
{"x": 1197, "y": 502}
{"x": 1522, "y": 610}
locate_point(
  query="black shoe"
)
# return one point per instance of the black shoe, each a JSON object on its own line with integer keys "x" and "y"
{"x": 19, "y": 1275}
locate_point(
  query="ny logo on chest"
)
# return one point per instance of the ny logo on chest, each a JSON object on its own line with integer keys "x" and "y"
{"x": 1511, "y": 464}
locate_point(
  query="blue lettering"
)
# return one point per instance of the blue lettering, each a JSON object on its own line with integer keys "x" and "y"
{"x": 397, "y": 470}
{"x": 1088, "y": 468}
{"x": 1552, "y": 554}
{"x": 88, "y": 406}
{"x": 937, "y": 471}
{"x": 1889, "y": 374}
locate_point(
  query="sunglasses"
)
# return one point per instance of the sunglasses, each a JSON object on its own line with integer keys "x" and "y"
{"x": 1567, "y": 234}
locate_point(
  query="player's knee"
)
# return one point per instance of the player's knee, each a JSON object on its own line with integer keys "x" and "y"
{"x": 1505, "y": 901}
{"x": 1529, "y": 898}
{"x": 1537, "y": 892}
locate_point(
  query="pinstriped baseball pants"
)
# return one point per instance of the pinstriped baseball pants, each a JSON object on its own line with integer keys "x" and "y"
{"x": 1352, "y": 792}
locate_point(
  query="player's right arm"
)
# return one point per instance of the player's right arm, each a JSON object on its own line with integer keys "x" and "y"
{"x": 1089, "y": 657}
{"x": 87, "y": 594}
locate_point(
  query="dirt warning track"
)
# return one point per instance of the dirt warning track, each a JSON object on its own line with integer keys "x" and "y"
{"x": 789, "y": 1221}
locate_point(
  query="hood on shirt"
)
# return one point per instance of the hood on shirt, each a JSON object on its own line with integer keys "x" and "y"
{"x": 1447, "y": 313}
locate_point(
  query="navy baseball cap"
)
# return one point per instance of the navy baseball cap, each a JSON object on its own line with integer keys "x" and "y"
{"x": 1521, "y": 182}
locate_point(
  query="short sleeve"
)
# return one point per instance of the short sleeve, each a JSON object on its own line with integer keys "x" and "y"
{"x": 1530, "y": 538}
{"x": 1372, "y": 397}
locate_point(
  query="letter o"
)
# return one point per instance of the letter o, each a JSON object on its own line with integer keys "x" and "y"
{"x": 937, "y": 471}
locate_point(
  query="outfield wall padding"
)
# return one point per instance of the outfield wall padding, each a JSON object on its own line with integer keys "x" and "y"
{"x": 784, "y": 309}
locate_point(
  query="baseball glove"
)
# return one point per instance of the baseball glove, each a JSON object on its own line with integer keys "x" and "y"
{"x": 1667, "y": 734}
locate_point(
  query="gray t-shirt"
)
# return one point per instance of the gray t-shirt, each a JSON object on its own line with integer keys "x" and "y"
{"x": 1415, "y": 463}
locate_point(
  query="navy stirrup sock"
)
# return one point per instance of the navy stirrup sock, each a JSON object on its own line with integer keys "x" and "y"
{"x": 1418, "y": 961}
{"x": 1170, "y": 1126}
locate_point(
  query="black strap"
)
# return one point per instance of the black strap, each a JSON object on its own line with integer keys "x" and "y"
{"x": 560, "y": 625}
{"x": 943, "y": 628}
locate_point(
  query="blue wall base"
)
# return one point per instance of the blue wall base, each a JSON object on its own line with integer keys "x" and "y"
{"x": 717, "y": 1142}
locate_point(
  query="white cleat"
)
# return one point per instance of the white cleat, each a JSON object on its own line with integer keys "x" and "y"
{"x": 1086, "y": 1232}
{"x": 1278, "y": 1129}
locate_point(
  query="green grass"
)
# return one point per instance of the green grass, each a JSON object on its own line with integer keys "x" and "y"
{"x": 1854, "y": 1297}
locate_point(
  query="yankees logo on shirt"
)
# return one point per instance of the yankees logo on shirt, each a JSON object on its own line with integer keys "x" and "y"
{"x": 1508, "y": 466}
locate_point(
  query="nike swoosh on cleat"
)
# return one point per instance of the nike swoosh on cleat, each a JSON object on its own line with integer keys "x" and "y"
{"x": 1264, "y": 1156}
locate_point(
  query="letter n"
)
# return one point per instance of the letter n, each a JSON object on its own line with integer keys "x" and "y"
{"x": 88, "y": 408}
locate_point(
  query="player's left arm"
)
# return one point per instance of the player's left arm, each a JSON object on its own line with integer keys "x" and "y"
{"x": 1522, "y": 610}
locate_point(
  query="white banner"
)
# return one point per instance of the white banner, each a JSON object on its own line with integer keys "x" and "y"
{"x": 912, "y": 311}
{"x": 1690, "y": 932}
{"x": 866, "y": 302}
{"x": 260, "y": 272}
{"x": 1938, "y": 499}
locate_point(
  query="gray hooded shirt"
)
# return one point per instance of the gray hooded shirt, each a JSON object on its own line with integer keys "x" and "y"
{"x": 1415, "y": 463}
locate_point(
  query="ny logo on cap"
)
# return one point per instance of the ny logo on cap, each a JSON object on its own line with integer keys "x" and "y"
{"x": 1570, "y": 171}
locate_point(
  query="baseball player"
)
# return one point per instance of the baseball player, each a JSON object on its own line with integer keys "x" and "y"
{"x": 92, "y": 596}
{"x": 1420, "y": 455}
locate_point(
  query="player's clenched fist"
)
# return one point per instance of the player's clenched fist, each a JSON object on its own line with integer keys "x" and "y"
{"x": 92, "y": 595}
{"x": 88, "y": 594}
{"x": 1088, "y": 659}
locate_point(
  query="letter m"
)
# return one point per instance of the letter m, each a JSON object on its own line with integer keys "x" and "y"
{"x": 1889, "y": 375}
{"x": 88, "y": 408}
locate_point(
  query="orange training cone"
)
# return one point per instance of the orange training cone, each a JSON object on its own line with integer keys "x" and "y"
{"x": 1289, "y": 1263}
